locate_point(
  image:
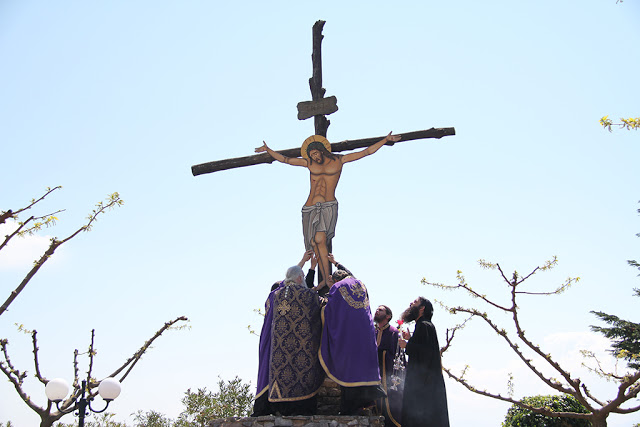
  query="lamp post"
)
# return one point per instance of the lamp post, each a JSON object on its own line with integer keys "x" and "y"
{"x": 57, "y": 389}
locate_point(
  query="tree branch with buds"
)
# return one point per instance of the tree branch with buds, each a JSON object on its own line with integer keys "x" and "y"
{"x": 598, "y": 409}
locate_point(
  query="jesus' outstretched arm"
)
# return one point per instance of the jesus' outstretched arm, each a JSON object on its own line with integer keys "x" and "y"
{"x": 295, "y": 161}
{"x": 371, "y": 149}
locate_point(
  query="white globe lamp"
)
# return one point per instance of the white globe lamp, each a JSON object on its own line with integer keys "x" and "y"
{"x": 109, "y": 389}
{"x": 56, "y": 389}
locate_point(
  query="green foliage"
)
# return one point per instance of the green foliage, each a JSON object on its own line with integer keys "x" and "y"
{"x": 151, "y": 419}
{"x": 104, "y": 419}
{"x": 233, "y": 399}
{"x": 520, "y": 417}
{"x": 624, "y": 334}
{"x": 629, "y": 124}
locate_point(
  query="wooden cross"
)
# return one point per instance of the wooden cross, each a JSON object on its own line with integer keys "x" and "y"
{"x": 318, "y": 108}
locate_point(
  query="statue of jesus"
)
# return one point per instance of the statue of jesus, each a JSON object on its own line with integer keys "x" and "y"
{"x": 320, "y": 212}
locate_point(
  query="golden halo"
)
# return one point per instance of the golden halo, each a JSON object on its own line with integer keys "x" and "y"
{"x": 314, "y": 138}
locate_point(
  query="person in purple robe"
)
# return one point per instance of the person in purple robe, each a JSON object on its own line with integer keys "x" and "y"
{"x": 424, "y": 402}
{"x": 289, "y": 372}
{"x": 387, "y": 341}
{"x": 348, "y": 351}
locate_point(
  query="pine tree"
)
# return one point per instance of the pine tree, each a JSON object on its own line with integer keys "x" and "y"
{"x": 624, "y": 333}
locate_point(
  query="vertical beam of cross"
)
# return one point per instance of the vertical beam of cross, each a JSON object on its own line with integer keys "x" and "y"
{"x": 320, "y": 121}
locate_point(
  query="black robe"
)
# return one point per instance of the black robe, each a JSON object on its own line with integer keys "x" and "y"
{"x": 424, "y": 403}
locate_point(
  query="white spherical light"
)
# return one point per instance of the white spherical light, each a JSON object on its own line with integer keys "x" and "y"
{"x": 109, "y": 388}
{"x": 56, "y": 389}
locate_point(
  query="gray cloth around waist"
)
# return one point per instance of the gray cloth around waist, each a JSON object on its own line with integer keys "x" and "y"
{"x": 321, "y": 217}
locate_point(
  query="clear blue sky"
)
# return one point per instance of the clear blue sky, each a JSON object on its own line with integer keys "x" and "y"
{"x": 126, "y": 96}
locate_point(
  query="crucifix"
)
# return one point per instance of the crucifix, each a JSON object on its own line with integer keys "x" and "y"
{"x": 320, "y": 212}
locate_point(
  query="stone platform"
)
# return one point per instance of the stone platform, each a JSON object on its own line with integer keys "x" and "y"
{"x": 300, "y": 421}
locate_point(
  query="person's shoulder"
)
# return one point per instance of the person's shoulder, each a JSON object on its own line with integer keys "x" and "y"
{"x": 423, "y": 324}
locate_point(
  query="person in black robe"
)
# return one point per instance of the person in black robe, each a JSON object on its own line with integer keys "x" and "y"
{"x": 387, "y": 339}
{"x": 424, "y": 401}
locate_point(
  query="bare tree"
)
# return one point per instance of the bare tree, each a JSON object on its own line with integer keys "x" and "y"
{"x": 49, "y": 413}
{"x": 599, "y": 408}
{"x": 34, "y": 224}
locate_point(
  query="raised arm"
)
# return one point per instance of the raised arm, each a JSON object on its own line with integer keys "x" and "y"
{"x": 295, "y": 161}
{"x": 370, "y": 150}
{"x": 305, "y": 257}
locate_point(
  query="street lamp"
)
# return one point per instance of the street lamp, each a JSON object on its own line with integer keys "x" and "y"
{"x": 57, "y": 389}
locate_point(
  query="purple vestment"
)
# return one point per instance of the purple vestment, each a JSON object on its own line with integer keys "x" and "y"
{"x": 264, "y": 348}
{"x": 348, "y": 351}
{"x": 288, "y": 367}
{"x": 390, "y": 406}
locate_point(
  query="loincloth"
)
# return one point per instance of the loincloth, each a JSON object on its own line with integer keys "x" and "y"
{"x": 321, "y": 217}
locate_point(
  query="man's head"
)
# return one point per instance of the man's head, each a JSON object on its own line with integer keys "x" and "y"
{"x": 316, "y": 148}
{"x": 421, "y": 307}
{"x": 295, "y": 275}
{"x": 317, "y": 152}
{"x": 339, "y": 275}
{"x": 383, "y": 315}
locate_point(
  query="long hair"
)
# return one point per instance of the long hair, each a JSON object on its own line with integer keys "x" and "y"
{"x": 292, "y": 274}
{"x": 316, "y": 145}
{"x": 428, "y": 308}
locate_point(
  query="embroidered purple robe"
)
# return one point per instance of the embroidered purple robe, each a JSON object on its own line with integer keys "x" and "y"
{"x": 348, "y": 351}
{"x": 264, "y": 348}
{"x": 288, "y": 367}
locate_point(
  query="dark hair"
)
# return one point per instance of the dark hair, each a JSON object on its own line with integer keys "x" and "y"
{"x": 428, "y": 307}
{"x": 275, "y": 286}
{"x": 317, "y": 145}
{"x": 388, "y": 311}
{"x": 338, "y": 275}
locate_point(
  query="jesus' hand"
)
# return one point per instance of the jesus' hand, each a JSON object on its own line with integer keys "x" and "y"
{"x": 393, "y": 138}
{"x": 262, "y": 149}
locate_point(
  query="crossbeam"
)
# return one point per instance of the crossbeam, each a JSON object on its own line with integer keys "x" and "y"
{"x": 239, "y": 162}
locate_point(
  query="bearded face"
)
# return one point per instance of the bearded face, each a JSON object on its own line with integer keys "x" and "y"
{"x": 411, "y": 313}
{"x": 380, "y": 315}
{"x": 316, "y": 156}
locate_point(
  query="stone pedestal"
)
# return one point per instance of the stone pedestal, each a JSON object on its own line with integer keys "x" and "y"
{"x": 329, "y": 398}
{"x": 300, "y": 421}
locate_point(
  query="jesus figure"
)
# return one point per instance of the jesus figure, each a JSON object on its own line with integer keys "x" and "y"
{"x": 320, "y": 212}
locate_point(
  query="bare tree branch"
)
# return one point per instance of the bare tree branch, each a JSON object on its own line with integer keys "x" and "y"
{"x": 38, "y": 375}
{"x": 49, "y": 413}
{"x": 538, "y": 410}
{"x": 628, "y": 385}
{"x": 16, "y": 377}
{"x": 91, "y": 354}
{"x": 13, "y": 214}
{"x": 133, "y": 360}
{"x": 112, "y": 201}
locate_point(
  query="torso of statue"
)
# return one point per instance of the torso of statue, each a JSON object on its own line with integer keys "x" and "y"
{"x": 324, "y": 180}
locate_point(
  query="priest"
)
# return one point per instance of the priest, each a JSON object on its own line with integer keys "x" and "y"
{"x": 348, "y": 351}
{"x": 289, "y": 372}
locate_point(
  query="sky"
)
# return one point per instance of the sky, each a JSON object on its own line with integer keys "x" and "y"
{"x": 99, "y": 97}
